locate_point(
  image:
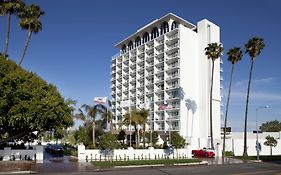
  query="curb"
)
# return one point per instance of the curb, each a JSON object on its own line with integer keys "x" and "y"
{"x": 19, "y": 172}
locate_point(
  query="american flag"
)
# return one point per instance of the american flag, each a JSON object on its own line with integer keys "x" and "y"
{"x": 163, "y": 107}
{"x": 100, "y": 100}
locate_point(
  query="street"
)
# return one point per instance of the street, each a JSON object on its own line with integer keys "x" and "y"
{"x": 221, "y": 169}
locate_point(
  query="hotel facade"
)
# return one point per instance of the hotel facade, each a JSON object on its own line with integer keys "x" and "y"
{"x": 162, "y": 67}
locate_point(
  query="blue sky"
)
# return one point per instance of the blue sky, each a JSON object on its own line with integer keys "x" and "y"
{"x": 74, "y": 49}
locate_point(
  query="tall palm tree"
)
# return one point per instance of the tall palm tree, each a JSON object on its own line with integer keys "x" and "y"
{"x": 234, "y": 55}
{"x": 253, "y": 48}
{"x": 11, "y": 7}
{"x": 213, "y": 51}
{"x": 30, "y": 20}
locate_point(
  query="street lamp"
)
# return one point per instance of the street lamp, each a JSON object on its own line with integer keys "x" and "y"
{"x": 257, "y": 132}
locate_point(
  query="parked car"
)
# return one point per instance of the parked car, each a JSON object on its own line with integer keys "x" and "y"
{"x": 203, "y": 152}
{"x": 54, "y": 149}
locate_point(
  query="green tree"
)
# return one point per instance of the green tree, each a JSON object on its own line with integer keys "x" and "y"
{"x": 271, "y": 126}
{"x": 134, "y": 118}
{"x": 143, "y": 119}
{"x": 253, "y": 48}
{"x": 29, "y": 104}
{"x": 30, "y": 21}
{"x": 154, "y": 138}
{"x": 11, "y": 7}
{"x": 177, "y": 141}
{"x": 234, "y": 55}
{"x": 121, "y": 135}
{"x": 83, "y": 135}
{"x": 91, "y": 113}
{"x": 270, "y": 141}
{"x": 213, "y": 51}
{"x": 108, "y": 141}
{"x": 2, "y": 10}
{"x": 106, "y": 118}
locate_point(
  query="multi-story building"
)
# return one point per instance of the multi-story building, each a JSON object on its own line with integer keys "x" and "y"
{"x": 164, "y": 65}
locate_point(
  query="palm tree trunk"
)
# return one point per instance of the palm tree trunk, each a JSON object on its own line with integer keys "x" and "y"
{"x": 211, "y": 107}
{"x": 7, "y": 35}
{"x": 25, "y": 47}
{"x": 245, "y": 153}
{"x": 143, "y": 136}
{"x": 94, "y": 135}
{"x": 226, "y": 111}
{"x": 270, "y": 150}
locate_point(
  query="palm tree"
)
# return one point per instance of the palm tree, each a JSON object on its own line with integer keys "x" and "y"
{"x": 92, "y": 112}
{"x": 144, "y": 113}
{"x": 234, "y": 55}
{"x": 213, "y": 51}
{"x": 106, "y": 118}
{"x": 11, "y": 7}
{"x": 30, "y": 20}
{"x": 253, "y": 48}
{"x": 132, "y": 117}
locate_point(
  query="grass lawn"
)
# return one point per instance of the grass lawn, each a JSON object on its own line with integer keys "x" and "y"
{"x": 106, "y": 164}
{"x": 263, "y": 158}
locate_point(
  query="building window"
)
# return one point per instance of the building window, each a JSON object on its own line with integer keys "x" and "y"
{"x": 145, "y": 38}
{"x": 174, "y": 25}
{"x": 164, "y": 28}
{"x": 124, "y": 48}
{"x": 130, "y": 45}
{"x": 138, "y": 42}
{"x": 154, "y": 33}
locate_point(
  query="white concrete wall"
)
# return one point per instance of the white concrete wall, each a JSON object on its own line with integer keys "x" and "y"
{"x": 188, "y": 78}
{"x": 208, "y": 33}
{"x": 131, "y": 154}
{"x": 236, "y": 143}
{"x": 7, "y": 153}
{"x": 237, "y": 146}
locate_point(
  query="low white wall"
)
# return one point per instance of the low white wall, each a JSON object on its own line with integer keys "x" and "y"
{"x": 131, "y": 154}
{"x": 9, "y": 154}
{"x": 237, "y": 147}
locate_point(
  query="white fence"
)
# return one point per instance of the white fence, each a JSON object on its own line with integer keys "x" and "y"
{"x": 25, "y": 154}
{"x": 131, "y": 154}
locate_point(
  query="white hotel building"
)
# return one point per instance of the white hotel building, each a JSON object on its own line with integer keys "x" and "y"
{"x": 164, "y": 62}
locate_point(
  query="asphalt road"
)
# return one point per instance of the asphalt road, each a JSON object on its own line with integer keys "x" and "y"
{"x": 226, "y": 169}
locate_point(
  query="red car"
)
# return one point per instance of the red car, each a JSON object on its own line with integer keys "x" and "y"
{"x": 203, "y": 152}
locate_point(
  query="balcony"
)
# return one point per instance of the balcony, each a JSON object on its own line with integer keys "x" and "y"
{"x": 171, "y": 87}
{"x": 173, "y": 38}
{"x": 175, "y": 117}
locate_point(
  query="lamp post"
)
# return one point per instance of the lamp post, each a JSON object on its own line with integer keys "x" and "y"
{"x": 257, "y": 132}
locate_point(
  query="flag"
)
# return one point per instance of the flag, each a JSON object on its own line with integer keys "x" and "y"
{"x": 100, "y": 100}
{"x": 163, "y": 107}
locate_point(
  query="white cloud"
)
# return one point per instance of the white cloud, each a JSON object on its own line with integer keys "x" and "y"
{"x": 256, "y": 81}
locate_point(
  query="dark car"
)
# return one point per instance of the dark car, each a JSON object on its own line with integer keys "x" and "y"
{"x": 54, "y": 149}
